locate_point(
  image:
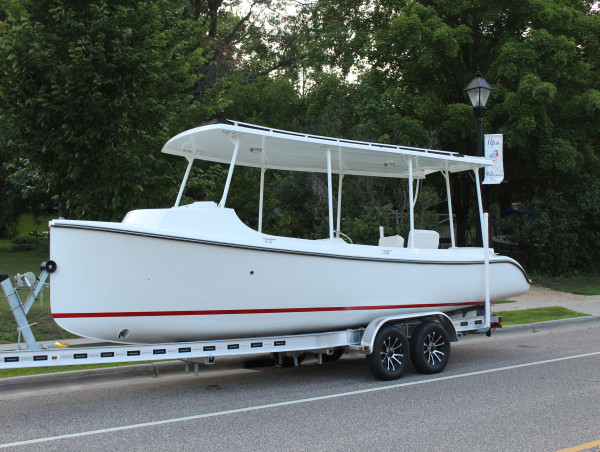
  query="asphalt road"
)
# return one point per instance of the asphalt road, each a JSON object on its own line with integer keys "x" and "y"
{"x": 523, "y": 390}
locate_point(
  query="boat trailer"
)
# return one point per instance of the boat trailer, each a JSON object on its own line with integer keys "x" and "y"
{"x": 287, "y": 350}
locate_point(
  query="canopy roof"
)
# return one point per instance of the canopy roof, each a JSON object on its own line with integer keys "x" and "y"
{"x": 283, "y": 150}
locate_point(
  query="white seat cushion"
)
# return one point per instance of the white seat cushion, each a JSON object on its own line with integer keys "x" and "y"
{"x": 425, "y": 238}
{"x": 392, "y": 240}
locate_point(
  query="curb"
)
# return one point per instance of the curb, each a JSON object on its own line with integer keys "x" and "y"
{"x": 547, "y": 325}
{"x": 87, "y": 376}
{"x": 73, "y": 378}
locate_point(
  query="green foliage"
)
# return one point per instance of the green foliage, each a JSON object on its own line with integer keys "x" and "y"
{"x": 295, "y": 204}
{"x": 579, "y": 284}
{"x": 10, "y": 205}
{"x": 561, "y": 236}
{"x": 537, "y": 315}
{"x": 92, "y": 90}
{"x": 541, "y": 59}
{"x": 24, "y": 242}
{"x": 298, "y": 205}
{"x": 20, "y": 372}
{"x": 268, "y": 101}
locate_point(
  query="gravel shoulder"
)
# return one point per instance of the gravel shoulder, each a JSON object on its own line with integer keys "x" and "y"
{"x": 539, "y": 297}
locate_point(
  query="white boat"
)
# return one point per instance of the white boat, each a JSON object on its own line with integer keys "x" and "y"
{"x": 196, "y": 272}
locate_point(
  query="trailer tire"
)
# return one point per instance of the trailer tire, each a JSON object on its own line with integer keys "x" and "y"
{"x": 390, "y": 353}
{"x": 430, "y": 347}
{"x": 337, "y": 354}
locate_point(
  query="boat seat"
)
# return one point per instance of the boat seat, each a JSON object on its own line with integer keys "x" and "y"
{"x": 424, "y": 238}
{"x": 392, "y": 240}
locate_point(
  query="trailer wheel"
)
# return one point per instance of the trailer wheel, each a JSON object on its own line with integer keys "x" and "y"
{"x": 337, "y": 354}
{"x": 430, "y": 348}
{"x": 390, "y": 353}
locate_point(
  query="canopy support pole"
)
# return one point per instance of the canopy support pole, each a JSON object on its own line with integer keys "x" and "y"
{"x": 483, "y": 218}
{"x": 262, "y": 192}
{"x": 185, "y": 178}
{"x": 330, "y": 193}
{"x": 230, "y": 172}
{"x": 416, "y": 195}
{"x": 411, "y": 203}
{"x": 446, "y": 175}
{"x": 486, "y": 269}
{"x": 339, "y": 205}
{"x": 479, "y": 200}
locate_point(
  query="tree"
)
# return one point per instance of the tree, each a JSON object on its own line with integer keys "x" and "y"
{"x": 92, "y": 90}
{"x": 541, "y": 58}
{"x": 250, "y": 39}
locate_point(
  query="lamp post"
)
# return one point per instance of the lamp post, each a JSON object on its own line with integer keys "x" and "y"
{"x": 479, "y": 90}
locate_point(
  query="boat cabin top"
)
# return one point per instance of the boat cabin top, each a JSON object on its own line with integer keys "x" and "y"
{"x": 238, "y": 143}
{"x": 260, "y": 147}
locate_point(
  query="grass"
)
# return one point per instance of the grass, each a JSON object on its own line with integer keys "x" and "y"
{"x": 502, "y": 302}
{"x": 583, "y": 285}
{"x": 11, "y": 263}
{"x": 7, "y": 373}
{"x": 537, "y": 315}
{"x": 29, "y": 224}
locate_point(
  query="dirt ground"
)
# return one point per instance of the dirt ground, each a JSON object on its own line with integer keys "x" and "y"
{"x": 542, "y": 293}
{"x": 542, "y": 297}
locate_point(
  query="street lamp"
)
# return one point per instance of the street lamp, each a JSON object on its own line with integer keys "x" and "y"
{"x": 479, "y": 90}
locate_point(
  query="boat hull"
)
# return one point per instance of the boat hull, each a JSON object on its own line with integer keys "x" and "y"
{"x": 136, "y": 286}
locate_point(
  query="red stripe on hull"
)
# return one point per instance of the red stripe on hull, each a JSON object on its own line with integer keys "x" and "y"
{"x": 249, "y": 311}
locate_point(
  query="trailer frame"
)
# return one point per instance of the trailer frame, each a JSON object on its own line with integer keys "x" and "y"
{"x": 468, "y": 320}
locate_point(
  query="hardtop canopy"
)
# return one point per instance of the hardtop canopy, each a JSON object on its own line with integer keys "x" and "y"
{"x": 263, "y": 147}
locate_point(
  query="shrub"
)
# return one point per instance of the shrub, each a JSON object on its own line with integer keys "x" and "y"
{"x": 24, "y": 243}
{"x": 561, "y": 236}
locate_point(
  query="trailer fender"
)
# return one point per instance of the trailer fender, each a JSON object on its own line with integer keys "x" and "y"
{"x": 366, "y": 345}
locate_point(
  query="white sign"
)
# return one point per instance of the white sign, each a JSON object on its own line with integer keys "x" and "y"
{"x": 493, "y": 150}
